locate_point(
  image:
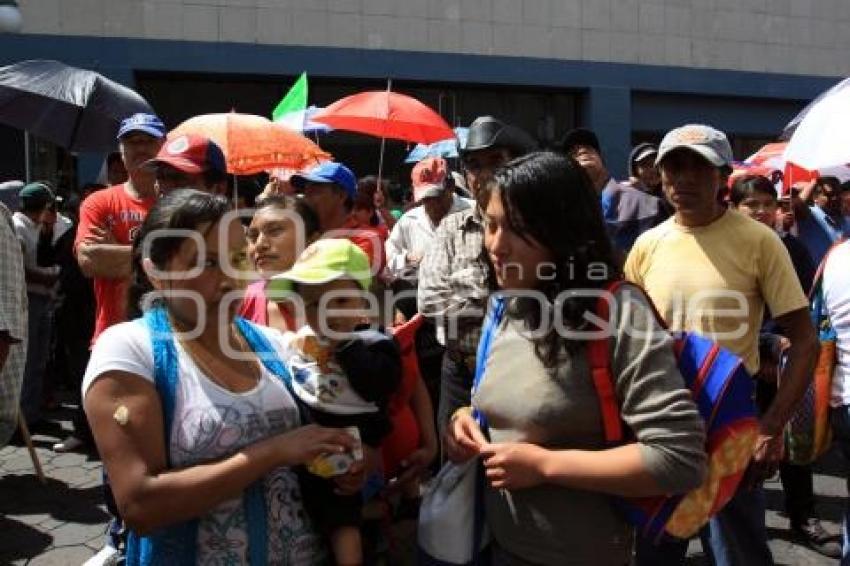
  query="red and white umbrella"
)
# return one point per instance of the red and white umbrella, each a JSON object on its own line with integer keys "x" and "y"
{"x": 820, "y": 134}
{"x": 772, "y": 158}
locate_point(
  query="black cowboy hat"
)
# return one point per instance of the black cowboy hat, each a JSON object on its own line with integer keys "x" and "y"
{"x": 487, "y": 132}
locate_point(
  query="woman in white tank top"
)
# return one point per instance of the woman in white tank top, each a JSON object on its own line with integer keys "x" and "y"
{"x": 201, "y": 486}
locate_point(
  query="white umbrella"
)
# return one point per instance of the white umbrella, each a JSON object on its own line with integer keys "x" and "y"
{"x": 301, "y": 121}
{"x": 791, "y": 126}
{"x": 821, "y": 138}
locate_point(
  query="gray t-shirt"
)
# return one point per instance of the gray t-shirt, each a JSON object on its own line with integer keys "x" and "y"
{"x": 525, "y": 402}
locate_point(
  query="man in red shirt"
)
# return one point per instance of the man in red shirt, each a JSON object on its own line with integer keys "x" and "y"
{"x": 329, "y": 189}
{"x": 110, "y": 219}
{"x": 189, "y": 162}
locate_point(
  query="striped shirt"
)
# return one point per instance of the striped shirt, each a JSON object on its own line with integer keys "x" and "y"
{"x": 453, "y": 278}
{"x": 13, "y": 324}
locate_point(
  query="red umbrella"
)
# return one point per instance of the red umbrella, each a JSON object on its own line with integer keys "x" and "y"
{"x": 386, "y": 114}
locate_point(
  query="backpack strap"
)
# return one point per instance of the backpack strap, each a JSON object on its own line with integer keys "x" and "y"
{"x": 817, "y": 281}
{"x": 269, "y": 357}
{"x": 492, "y": 320}
{"x": 817, "y": 303}
{"x": 264, "y": 350}
{"x": 599, "y": 362}
{"x": 254, "y": 498}
{"x": 181, "y": 540}
{"x": 165, "y": 367}
{"x": 178, "y": 542}
{"x": 598, "y": 359}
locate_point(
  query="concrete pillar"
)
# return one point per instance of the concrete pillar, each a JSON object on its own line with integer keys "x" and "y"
{"x": 608, "y": 112}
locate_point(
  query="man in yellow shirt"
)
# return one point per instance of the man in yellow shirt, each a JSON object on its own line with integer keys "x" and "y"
{"x": 714, "y": 271}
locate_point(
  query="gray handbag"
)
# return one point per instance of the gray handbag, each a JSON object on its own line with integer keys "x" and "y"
{"x": 452, "y": 528}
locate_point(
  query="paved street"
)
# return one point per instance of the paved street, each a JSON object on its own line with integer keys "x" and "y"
{"x": 62, "y": 523}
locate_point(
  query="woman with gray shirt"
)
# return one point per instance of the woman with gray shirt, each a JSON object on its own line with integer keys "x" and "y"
{"x": 550, "y": 474}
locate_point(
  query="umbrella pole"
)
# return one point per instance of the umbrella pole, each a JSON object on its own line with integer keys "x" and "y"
{"x": 235, "y": 194}
{"x": 381, "y": 161}
{"x": 384, "y": 138}
{"x": 27, "y": 164}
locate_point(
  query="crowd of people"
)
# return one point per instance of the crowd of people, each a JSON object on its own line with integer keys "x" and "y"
{"x": 260, "y": 387}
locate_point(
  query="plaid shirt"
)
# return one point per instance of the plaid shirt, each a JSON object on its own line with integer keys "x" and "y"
{"x": 453, "y": 281}
{"x": 13, "y": 321}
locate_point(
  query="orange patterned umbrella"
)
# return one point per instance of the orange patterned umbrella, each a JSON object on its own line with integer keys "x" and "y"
{"x": 252, "y": 144}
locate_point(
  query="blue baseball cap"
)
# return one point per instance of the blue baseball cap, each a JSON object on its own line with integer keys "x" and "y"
{"x": 141, "y": 122}
{"x": 327, "y": 172}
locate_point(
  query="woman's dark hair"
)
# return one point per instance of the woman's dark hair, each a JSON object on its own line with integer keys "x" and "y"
{"x": 184, "y": 209}
{"x": 309, "y": 218}
{"x": 368, "y": 186}
{"x": 364, "y": 201}
{"x": 549, "y": 199}
{"x": 748, "y": 185}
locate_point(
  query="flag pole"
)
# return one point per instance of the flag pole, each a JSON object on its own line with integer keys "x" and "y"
{"x": 384, "y": 137}
{"x": 27, "y": 164}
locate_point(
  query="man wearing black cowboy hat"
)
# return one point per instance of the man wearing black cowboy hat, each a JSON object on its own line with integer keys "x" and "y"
{"x": 452, "y": 276}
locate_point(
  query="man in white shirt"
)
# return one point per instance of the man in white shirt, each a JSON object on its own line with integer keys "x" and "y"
{"x": 415, "y": 232}
{"x": 35, "y": 199}
{"x": 836, "y": 296}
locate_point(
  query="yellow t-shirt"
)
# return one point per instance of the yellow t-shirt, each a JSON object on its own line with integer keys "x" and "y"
{"x": 715, "y": 280}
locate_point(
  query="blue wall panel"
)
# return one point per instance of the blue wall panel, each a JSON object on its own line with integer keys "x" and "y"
{"x": 139, "y": 54}
{"x": 649, "y": 98}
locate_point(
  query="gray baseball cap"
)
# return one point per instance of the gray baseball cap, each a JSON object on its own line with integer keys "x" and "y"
{"x": 706, "y": 141}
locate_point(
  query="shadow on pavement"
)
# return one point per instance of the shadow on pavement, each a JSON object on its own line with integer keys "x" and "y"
{"x": 831, "y": 464}
{"x": 24, "y": 495}
{"x": 48, "y": 432}
{"x": 827, "y": 507}
{"x": 20, "y": 541}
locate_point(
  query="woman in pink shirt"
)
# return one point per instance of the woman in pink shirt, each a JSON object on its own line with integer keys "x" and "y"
{"x": 281, "y": 228}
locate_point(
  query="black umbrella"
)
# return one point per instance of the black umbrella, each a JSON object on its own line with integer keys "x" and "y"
{"x": 77, "y": 109}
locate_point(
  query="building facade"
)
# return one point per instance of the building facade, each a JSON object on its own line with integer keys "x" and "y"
{"x": 629, "y": 69}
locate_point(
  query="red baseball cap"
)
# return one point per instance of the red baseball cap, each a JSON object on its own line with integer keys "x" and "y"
{"x": 191, "y": 154}
{"x": 429, "y": 178}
